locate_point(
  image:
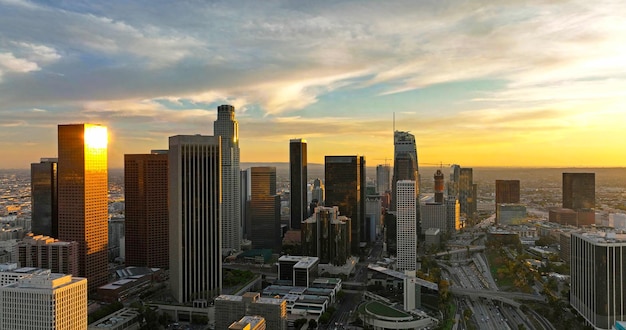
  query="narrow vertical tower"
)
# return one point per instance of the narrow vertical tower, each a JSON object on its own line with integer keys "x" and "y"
{"x": 439, "y": 187}
{"x": 228, "y": 128}
{"x": 195, "y": 238}
{"x": 406, "y": 235}
{"x": 83, "y": 197}
{"x": 298, "y": 180}
{"x": 43, "y": 188}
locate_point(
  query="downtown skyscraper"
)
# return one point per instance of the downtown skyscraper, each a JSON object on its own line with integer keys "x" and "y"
{"x": 146, "y": 210}
{"x": 44, "y": 201}
{"x": 227, "y": 127}
{"x": 405, "y": 167}
{"x": 83, "y": 197}
{"x": 406, "y": 215}
{"x": 345, "y": 188}
{"x": 195, "y": 231}
{"x": 298, "y": 182}
{"x": 263, "y": 208}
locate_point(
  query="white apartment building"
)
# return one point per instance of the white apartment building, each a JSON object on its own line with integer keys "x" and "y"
{"x": 406, "y": 215}
{"x": 44, "y": 301}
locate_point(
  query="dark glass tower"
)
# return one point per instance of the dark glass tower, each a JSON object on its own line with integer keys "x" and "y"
{"x": 146, "y": 210}
{"x": 263, "y": 209}
{"x": 298, "y": 180}
{"x": 579, "y": 191}
{"x": 344, "y": 178}
{"x": 467, "y": 192}
{"x": 43, "y": 187}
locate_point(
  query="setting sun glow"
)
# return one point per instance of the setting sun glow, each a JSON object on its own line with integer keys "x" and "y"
{"x": 96, "y": 136}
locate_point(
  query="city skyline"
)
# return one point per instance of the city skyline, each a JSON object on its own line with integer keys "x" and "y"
{"x": 527, "y": 84}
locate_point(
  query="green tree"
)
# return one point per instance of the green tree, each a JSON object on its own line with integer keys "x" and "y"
{"x": 299, "y": 323}
{"x": 312, "y": 324}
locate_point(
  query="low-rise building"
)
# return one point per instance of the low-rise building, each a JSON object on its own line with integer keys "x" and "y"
{"x": 230, "y": 308}
{"x": 44, "y": 300}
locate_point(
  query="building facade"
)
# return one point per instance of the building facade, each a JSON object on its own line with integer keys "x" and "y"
{"x": 47, "y": 252}
{"x": 405, "y": 165}
{"x": 326, "y": 235}
{"x": 406, "y": 232}
{"x": 434, "y": 215}
{"x": 298, "y": 182}
{"x": 195, "y": 237}
{"x": 146, "y": 211}
{"x": 579, "y": 191}
{"x": 44, "y": 200}
{"x": 227, "y": 127}
{"x": 467, "y": 192}
{"x": 453, "y": 215}
{"x": 229, "y": 309}
{"x": 383, "y": 178}
{"x": 597, "y": 290}
{"x": 44, "y": 301}
{"x": 344, "y": 189}
{"x": 263, "y": 209}
{"x": 83, "y": 198}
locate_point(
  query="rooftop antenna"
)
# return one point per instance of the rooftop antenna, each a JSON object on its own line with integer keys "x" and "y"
{"x": 394, "y": 121}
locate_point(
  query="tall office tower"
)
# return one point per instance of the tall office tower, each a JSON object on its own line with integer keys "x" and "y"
{"x": 406, "y": 234}
{"x": 373, "y": 217}
{"x": 47, "y": 252}
{"x": 44, "y": 301}
{"x": 227, "y": 127}
{"x": 453, "y": 183}
{"x": 43, "y": 188}
{"x": 453, "y": 215}
{"x": 434, "y": 216}
{"x": 146, "y": 211}
{"x": 263, "y": 209}
{"x": 83, "y": 197}
{"x": 405, "y": 164}
{"x": 579, "y": 191}
{"x": 467, "y": 192}
{"x": 507, "y": 192}
{"x": 383, "y": 178}
{"x": 597, "y": 289}
{"x": 439, "y": 187}
{"x": 325, "y": 235}
{"x": 343, "y": 189}
{"x": 298, "y": 180}
{"x": 364, "y": 234}
{"x": 318, "y": 191}
{"x": 195, "y": 229}
{"x": 230, "y": 308}
{"x": 244, "y": 188}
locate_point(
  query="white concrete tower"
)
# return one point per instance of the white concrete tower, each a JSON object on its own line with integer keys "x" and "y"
{"x": 195, "y": 237}
{"x": 406, "y": 236}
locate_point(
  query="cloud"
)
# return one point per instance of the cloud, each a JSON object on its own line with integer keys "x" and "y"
{"x": 10, "y": 63}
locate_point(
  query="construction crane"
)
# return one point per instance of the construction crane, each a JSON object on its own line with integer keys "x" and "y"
{"x": 385, "y": 159}
{"x": 440, "y": 164}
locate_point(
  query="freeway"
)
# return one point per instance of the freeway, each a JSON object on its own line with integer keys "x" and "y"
{"x": 499, "y": 295}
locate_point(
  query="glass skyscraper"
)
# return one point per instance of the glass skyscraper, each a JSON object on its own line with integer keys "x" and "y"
{"x": 83, "y": 197}
{"x": 298, "y": 182}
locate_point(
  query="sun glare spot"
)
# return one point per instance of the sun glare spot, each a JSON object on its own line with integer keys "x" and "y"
{"x": 96, "y": 136}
